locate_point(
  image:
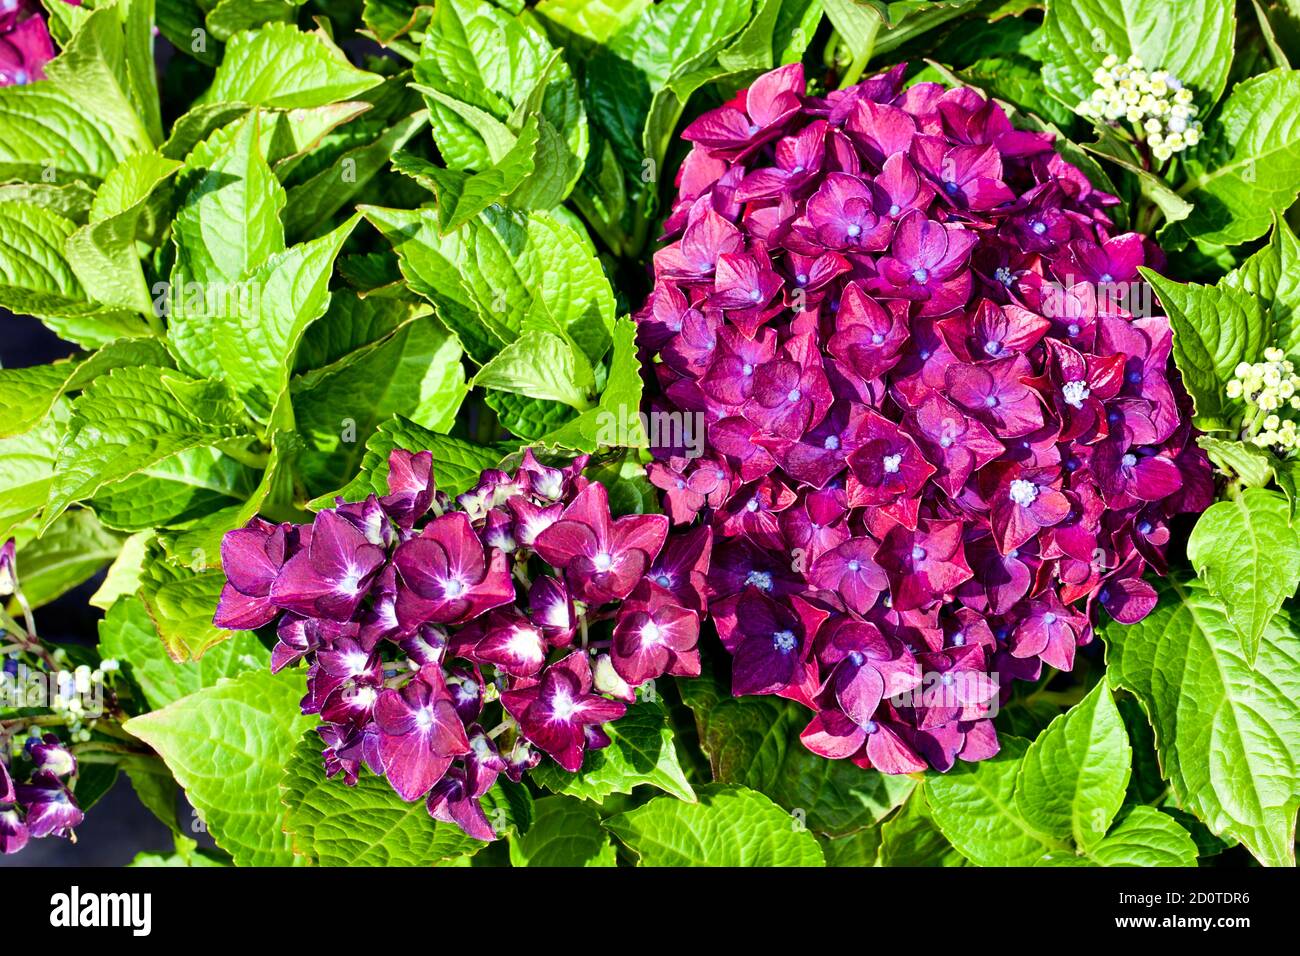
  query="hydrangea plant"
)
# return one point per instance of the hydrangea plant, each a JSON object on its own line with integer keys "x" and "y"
{"x": 729, "y": 432}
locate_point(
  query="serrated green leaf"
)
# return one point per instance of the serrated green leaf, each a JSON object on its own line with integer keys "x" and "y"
{"x": 1073, "y": 777}
{"x": 564, "y": 832}
{"x": 36, "y": 279}
{"x": 27, "y": 468}
{"x": 1215, "y": 328}
{"x": 754, "y": 741}
{"x": 123, "y": 575}
{"x": 69, "y": 552}
{"x": 103, "y": 253}
{"x": 311, "y": 203}
{"x": 541, "y": 365}
{"x": 45, "y": 136}
{"x": 415, "y": 372}
{"x": 278, "y": 66}
{"x": 1272, "y": 275}
{"x": 482, "y": 56}
{"x": 332, "y": 824}
{"x": 729, "y": 826}
{"x": 181, "y": 602}
{"x": 975, "y": 808}
{"x": 457, "y": 463}
{"x": 1252, "y": 465}
{"x": 1248, "y": 165}
{"x": 228, "y": 17}
{"x": 71, "y": 201}
{"x": 1145, "y": 837}
{"x": 641, "y": 752}
{"x": 127, "y": 634}
{"x": 912, "y": 838}
{"x": 227, "y": 746}
{"x": 127, "y": 421}
{"x": 1196, "y": 46}
{"x": 93, "y": 70}
{"x": 1248, "y": 555}
{"x": 1227, "y": 733}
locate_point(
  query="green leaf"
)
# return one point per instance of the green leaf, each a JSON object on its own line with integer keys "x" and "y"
{"x": 27, "y": 468}
{"x": 71, "y": 201}
{"x": 911, "y": 838}
{"x": 641, "y": 752}
{"x": 541, "y": 365}
{"x": 1145, "y": 837}
{"x": 186, "y": 487}
{"x": 502, "y": 274}
{"x": 729, "y": 826}
{"x": 227, "y": 746}
{"x": 1248, "y": 555}
{"x": 332, "y": 824}
{"x": 123, "y": 575}
{"x": 463, "y": 195}
{"x": 279, "y": 66}
{"x": 1251, "y": 464}
{"x": 975, "y": 807}
{"x": 227, "y": 225}
{"x": 229, "y": 17}
{"x": 596, "y": 20}
{"x": 311, "y": 203}
{"x": 256, "y": 344}
{"x": 46, "y": 137}
{"x": 1074, "y": 775}
{"x": 615, "y": 421}
{"x": 416, "y": 372}
{"x": 129, "y": 420}
{"x": 1196, "y": 46}
{"x": 457, "y": 463}
{"x": 93, "y": 70}
{"x": 36, "y": 279}
{"x": 1215, "y": 329}
{"x": 1272, "y": 275}
{"x": 564, "y": 832}
{"x": 181, "y": 602}
{"x": 69, "y": 552}
{"x": 1248, "y": 166}
{"x": 103, "y": 253}
{"x": 127, "y": 634}
{"x": 754, "y": 741}
{"x": 477, "y": 54}
{"x": 1227, "y": 732}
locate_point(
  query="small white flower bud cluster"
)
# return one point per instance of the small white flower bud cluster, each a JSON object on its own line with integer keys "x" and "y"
{"x": 1156, "y": 103}
{"x": 1272, "y": 387}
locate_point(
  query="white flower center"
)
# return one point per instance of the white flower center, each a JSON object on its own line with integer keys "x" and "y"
{"x": 783, "y": 641}
{"x": 891, "y": 463}
{"x": 602, "y": 561}
{"x": 1075, "y": 392}
{"x": 1022, "y": 492}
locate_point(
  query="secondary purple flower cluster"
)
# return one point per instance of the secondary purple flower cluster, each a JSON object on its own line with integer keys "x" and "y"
{"x": 25, "y": 44}
{"x": 417, "y": 615}
{"x": 936, "y": 437}
{"x": 42, "y": 805}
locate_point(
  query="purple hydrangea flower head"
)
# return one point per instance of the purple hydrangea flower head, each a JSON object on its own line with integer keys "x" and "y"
{"x": 995, "y": 418}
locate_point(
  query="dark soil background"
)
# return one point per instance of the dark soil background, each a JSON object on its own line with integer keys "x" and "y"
{"x": 118, "y": 826}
